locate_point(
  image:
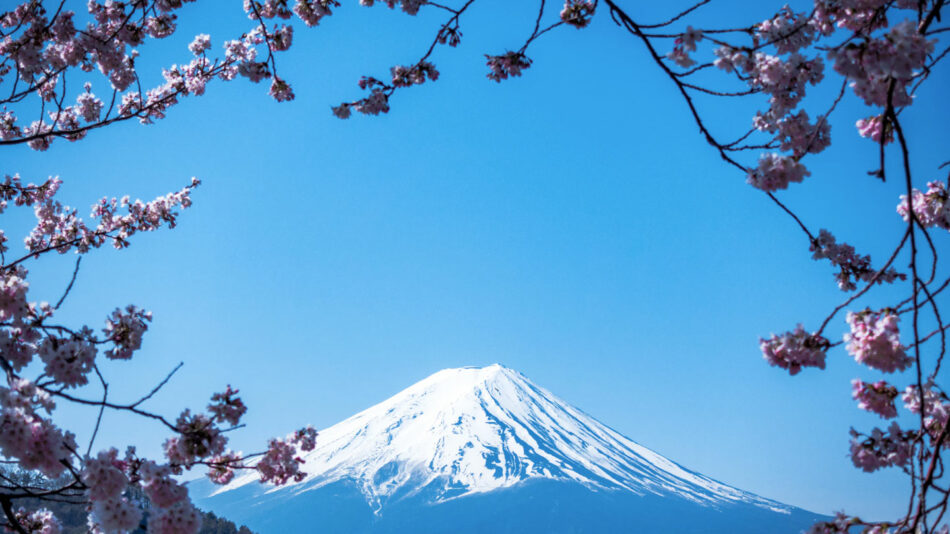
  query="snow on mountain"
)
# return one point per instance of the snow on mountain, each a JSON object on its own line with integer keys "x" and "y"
{"x": 471, "y": 430}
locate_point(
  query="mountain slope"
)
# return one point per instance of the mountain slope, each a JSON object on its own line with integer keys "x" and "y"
{"x": 488, "y": 435}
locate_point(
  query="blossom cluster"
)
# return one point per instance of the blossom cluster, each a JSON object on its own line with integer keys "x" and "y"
{"x": 853, "y": 267}
{"x": 775, "y": 172}
{"x": 879, "y": 450}
{"x": 794, "y": 350}
{"x": 874, "y": 340}
{"x": 931, "y": 208}
{"x": 378, "y": 100}
{"x": 227, "y": 406}
{"x": 106, "y": 480}
{"x": 936, "y": 407}
{"x": 841, "y": 524}
{"x": 505, "y": 65}
{"x": 875, "y": 128}
{"x": 28, "y": 437}
{"x": 795, "y": 132}
{"x": 414, "y": 75}
{"x": 125, "y": 331}
{"x": 43, "y": 50}
{"x": 876, "y": 398}
{"x": 312, "y": 11}
{"x": 198, "y": 437}
{"x": 577, "y": 13}
{"x": 69, "y": 357}
{"x": 683, "y": 45}
{"x": 108, "y": 477}
{"x": 410, "y": 7}
{"x": 788, "y": 31}
{"x": 881, "y": 69}
{"x": 281, "y": 463}
{"x": 40, "y": 521}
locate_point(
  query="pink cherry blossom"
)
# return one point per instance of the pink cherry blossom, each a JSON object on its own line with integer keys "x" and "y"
{"x": 180, "y": 518}
{"x": 104, "y": 477}
{"x": 200, "y": 44}
{"x": 577, "y": 13}
{"x": 68, "y": 360}
{"x": 775, "y": 172}
{"x": 877, "y": 397}
{"x": 280, "y": 90}
{"x": 115, "y": 515}
{"x": 164, "y": 492}
{"x": 936, "y": 407}
{"x": 312, "y": 11}
{"x": 198, "y": 438}
{"x": 227, "y": 407}
{"x": 41, "y": 521}
{"x": 306, "y": 438}
{"x": 281, "y": 463}
{"x": 881, "y": 450}
{"x": 853, "y": 267}
{"x": 681, "y": 57}
{"x": 789, "y": 32}
{"x": 874, "y": 340}
{"x": 874, "y": 128}
{"x": 794, "y": 350}
{"x": 221, "y": 467}
{"x": 507, "y": 64}
{"x": 930, "y": 208}
{"x": 126, "y": 330}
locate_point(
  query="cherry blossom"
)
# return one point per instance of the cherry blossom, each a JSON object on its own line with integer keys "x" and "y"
{"x": 577, "y": 13}
{"x": 104, "y": 477}
{"x": 280, "y": 90}
{"x": 874, "y": 340}
{"x": 853, "y": 267}
{"x": 312, "y": 11}
{"x": 507, "y": 64}
{"x": 931, "y": 208}
{"x": 126, "y": 330}
{"x": 873, "y": 64}
{"x": 115, "y": 515}
{"x": 880, "y": 450}
{"x": 877, "y": 397}
{"x": 936, "y": 408}
{"x": 68, "y": 361}
{"x": 840, "y": 525}
{"x": 221, "y": 467}
{"x": 200, "y": 44}
{"x": 198, "y": 438}
{"x": 41, "y": 521}
{"x": 775, "y": 172}
{"x": 180, "y": 518}
{"x": 794, "y": 350}
{"x": 280, "y": 463}
{"x": 789, "y": 32}
{"x": 883, "y": 51}
{"x": 164, "y": 492}
{"x": 226, "y": 406}
{"x": 874, "y": 128}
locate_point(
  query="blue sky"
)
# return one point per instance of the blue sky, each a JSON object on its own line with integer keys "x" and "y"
{"x": 571, "y": 224}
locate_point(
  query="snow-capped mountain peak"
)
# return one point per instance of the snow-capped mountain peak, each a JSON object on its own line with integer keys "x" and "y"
{"x": 473, "y": 430}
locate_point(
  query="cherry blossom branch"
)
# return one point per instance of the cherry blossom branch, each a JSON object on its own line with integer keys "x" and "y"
{"x": 867, "y": 287}
{"x": 102, "y": 409}
{"x": 72, "y": 280}
{"x": 159, "y": 386}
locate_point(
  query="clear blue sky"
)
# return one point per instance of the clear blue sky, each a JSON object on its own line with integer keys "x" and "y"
{"x": 571, "y": 224}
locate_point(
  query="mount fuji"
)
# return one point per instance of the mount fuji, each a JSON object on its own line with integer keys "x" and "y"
{"x": 484, "y": 449}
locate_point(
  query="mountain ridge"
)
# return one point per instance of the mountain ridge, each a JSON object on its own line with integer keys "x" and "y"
{"x": 472, "y": 432}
